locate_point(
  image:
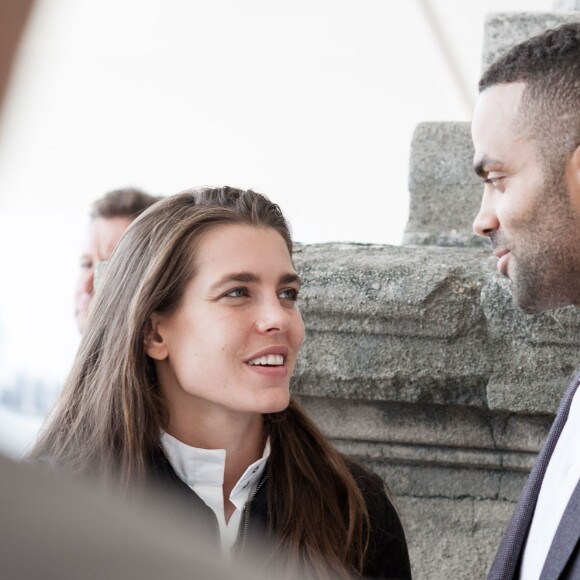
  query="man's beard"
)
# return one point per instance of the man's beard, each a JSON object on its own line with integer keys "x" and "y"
{"x": 546, "y": 265}
{"x": 536, "y": 287}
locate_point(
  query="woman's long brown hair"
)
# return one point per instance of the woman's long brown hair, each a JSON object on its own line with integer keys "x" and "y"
{"x": 110, "y": 413}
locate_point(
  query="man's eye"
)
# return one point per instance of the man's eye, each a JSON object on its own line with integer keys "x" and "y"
{"x": 495, "y": 182}
{"x": 289, "y": 294}
{"x": 86, "y": 265}
{"x": 237, "y": 293}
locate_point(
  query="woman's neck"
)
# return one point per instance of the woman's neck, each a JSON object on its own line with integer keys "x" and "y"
{"x": 241, "y": 435}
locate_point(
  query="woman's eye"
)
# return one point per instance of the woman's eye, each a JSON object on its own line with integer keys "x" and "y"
{"x": 237, "y": 293}
{"x": 289, "y": 294}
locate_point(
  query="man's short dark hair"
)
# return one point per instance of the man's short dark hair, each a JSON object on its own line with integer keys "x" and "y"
{"x": 127, "y": 202}
{"x": 549, "y": 65}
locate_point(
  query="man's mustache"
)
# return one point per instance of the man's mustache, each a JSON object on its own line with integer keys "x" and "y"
{"x": 498, "y": 240}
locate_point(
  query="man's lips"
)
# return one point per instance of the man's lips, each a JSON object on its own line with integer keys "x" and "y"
{"x": 503, "y": 256}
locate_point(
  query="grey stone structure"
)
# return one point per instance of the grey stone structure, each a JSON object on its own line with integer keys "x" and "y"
{"x": 504, "y": 30}
{"x": 445, "y": 192}
{"x": 418, "y": 363}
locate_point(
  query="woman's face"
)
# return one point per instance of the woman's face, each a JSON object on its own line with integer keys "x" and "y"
{"x": 233, "y": 342}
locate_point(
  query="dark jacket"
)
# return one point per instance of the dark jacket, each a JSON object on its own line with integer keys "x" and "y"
{"x": 387, "y": 555}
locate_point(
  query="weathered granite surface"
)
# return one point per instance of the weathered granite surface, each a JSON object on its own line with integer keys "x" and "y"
{"x": 417, "y": 363}
{"x": 506, "y": 29}
{"x": 428, "y": 325}
{"x": 444, "y": 191}
{"x": 464, "y": 554}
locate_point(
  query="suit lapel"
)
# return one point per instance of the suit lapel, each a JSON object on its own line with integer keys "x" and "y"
{"x": 509, "y": 554}
{"x": 510, "y": 550}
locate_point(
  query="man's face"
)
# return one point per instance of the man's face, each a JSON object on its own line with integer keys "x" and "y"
{"x": 103, "y": 235}
{"x": 528, "y": 215}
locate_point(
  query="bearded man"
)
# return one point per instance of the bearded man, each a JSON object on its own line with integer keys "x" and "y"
{"x": 526, "y": 133}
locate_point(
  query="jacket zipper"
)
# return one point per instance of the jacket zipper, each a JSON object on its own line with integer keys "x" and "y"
{"x": 244, "y": 530}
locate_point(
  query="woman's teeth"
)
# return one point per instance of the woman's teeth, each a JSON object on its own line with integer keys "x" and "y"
{"x": 272, "y": 360}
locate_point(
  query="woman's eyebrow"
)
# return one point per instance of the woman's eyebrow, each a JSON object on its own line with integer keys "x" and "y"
{"x": 236, "y": 277}
{"x": 289, "y": 278}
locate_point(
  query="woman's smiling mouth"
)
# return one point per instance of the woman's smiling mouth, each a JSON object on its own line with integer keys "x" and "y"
{"x": 270, "y": 361}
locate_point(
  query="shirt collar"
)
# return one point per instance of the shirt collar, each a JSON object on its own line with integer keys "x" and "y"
{"x": 196, "y": 466}
{"x": 250, "y": 479}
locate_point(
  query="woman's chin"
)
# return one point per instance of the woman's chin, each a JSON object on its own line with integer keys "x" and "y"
{"x": 275, "y": 403}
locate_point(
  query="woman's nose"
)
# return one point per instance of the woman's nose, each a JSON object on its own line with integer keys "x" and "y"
{"x": 272, "y": 317}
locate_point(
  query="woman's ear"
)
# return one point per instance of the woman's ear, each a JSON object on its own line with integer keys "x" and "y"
{"x": 153, "y": 340}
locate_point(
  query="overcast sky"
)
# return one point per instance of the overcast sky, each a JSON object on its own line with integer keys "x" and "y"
{"x": 312, "y": 102}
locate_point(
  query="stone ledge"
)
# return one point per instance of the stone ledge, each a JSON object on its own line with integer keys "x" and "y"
{"x": 434, "y": 451}
{"x": 433, "y": 426}
{"x": 436, "y": 481}
{"x": 427, "y": 325}
{"x": 433, "y": 456}
{"x": 391, "y": 290}
{"x": 451, "y": 239}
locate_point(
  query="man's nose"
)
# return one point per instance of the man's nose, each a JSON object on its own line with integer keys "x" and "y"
{"x": 486, "y": 222}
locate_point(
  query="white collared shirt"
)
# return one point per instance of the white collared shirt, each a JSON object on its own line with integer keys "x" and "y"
{"x": 203, "y": 471}
{"x": 559, "y": 482}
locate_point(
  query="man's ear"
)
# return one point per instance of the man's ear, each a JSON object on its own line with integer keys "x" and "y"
{"x": 153, "y": 340}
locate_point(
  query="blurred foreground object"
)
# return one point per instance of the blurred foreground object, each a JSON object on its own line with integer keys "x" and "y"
{"x": 57, "y": 529}
{"x": 13, "y": 17}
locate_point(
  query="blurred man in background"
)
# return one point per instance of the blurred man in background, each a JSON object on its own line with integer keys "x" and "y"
{"x": 111, "y": 215}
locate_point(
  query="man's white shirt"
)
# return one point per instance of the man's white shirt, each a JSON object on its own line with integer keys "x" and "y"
{"x": 559, "y": 482}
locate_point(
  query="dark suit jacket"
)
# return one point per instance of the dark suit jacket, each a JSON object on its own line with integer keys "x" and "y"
{"x": 563, "y": 559}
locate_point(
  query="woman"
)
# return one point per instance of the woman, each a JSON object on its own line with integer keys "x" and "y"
{"x": 183, "y": 377}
